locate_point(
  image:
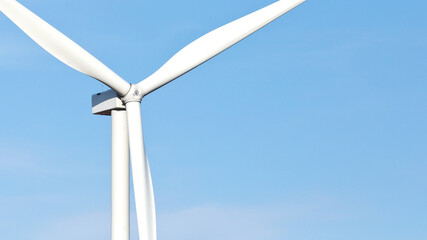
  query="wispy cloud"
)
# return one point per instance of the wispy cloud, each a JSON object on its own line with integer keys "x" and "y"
{"x": 249, "y": 223}
{"x": 216, "y": 222}
{"x": 13, "y": 52}
{"x": 210, "y": 222}
{"x": 17, "y": 162}
{"x": 93, "y": 226}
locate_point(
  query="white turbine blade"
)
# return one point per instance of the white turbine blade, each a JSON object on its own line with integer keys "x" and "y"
{"x": 60, "y": 46}
{"x": 214, "y": 43}
{"x": 143, "y": 188}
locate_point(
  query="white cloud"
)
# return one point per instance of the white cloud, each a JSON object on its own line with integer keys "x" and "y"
{"x": 212, "y": 222}
{"x": 18, "y": 162}
{"x": 18, "y": 52}
{"x": 249, "y": 223}
{"x": 93, "y": 226}
{"x": 11, "y": 46}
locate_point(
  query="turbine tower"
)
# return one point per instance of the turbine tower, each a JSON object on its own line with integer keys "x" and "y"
{"x": 123, "y": 101}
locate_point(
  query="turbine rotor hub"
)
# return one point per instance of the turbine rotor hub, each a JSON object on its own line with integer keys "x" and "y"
{"x": 134, "y": 95}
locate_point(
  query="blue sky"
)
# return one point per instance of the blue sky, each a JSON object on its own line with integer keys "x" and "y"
{"x": 312, "y": 128}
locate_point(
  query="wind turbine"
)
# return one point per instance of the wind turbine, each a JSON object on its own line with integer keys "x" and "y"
{"x": 123, "y": 101}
